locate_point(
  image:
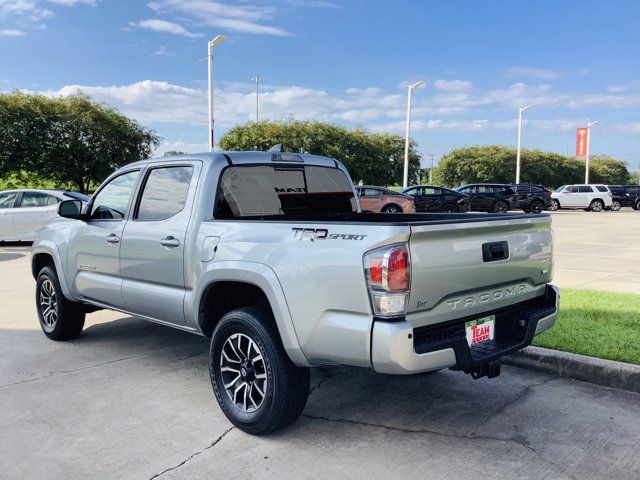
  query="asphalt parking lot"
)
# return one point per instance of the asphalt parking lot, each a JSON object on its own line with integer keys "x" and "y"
{"x": 600, "y": 251}
{"x": 130, "y": 399}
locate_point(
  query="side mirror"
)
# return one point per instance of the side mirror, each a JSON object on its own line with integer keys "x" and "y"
{"x": 71, "y": 209}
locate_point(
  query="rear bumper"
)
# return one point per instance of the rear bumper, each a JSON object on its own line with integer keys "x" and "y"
{"x": 398, "y": 348}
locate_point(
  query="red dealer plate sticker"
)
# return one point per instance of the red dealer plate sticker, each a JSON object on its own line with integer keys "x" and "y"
{"x": 480, "y": 330}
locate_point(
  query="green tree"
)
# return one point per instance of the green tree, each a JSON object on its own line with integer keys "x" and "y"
{"x": 67, "y": 140}
{"x": 497, "y": 163}
{"x": 374, "y": 158}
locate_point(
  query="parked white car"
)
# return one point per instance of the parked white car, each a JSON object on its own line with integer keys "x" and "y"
{"x": 589, "y": 197}
{"x": 22, "y": 212}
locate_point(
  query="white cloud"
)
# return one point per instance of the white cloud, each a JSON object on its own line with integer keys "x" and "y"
{"x": 532, "y": 72}
{"x": 9, "y": 32}
{"x": 23, "y": 9}
{"x": 453, "y": 85}
{"x": 314, "y": 4}
{"x": 73, "y": 3}
{"x": 244, "y": 18}
{"x": 162, "y": 51}
{"x": 165, "y": 26}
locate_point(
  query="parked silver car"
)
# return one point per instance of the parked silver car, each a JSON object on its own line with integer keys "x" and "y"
{"x": 22, "y": 212}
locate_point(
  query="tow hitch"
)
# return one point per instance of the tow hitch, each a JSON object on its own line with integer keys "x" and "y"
{"x": 489, "y": 370}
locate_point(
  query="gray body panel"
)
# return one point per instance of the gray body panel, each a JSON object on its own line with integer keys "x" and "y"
{"x": 316, "y": 289}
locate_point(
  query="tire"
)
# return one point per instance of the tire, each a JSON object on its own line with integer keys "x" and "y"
{"x": 60, "y": 319}
{"x": 596, "y": 205}
{"x": 637, "y": 205}
{"x": 500, "y": 207}
{"x": 555, "y": 205}
{"x": 615, "y": 206}
{"x": 449, "y": 208}
{"x": 536, "y": 207}
{"x": 391, "y": 209}
{"x": 284, "y": 386}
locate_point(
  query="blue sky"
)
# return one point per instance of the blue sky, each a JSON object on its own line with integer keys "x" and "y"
{"x": 347, "y": 62}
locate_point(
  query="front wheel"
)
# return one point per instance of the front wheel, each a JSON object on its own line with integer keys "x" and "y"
{"x": 596, "y": 206}
{"x": 257, "y": 386}
{"x": 555, "y": 205}
{"x": 615, "y": 206}
{"x": 60, "y": 319}
{"x": 500, "y": 207}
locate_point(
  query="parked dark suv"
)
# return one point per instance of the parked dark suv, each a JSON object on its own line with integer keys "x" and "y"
{"x": 429, "y": 198}
{"x": 625, "y": 196}
{"x": 532, "y": 198}
{"x": 490, "y": 197}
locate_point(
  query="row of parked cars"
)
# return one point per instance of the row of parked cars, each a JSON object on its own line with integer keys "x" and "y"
{"x": 22, "y": 212}
{"x": 498, "y": 198}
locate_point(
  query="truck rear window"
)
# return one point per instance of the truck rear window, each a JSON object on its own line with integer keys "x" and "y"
{"x": 263, "y": 190}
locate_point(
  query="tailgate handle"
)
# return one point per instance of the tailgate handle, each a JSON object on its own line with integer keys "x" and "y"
{"x": 495, "y": 251}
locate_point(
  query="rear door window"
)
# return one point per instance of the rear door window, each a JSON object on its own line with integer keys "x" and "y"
{"x": 587, "y": 189}
{"x": 165, "y": 193}
{"x": 37, "y": 199}
{"x": 265, "y": 190}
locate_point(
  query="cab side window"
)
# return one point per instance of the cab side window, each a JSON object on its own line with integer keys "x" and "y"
{"x": 112, "y": 201}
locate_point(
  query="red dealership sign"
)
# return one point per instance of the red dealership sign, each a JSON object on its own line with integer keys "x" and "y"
{"x": 582, "y": 141}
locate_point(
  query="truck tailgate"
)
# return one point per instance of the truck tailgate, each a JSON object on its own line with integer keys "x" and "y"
{"x": 467, "y": 268}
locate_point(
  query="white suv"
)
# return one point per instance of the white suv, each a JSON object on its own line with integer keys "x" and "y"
{"x": 590, "y": 197}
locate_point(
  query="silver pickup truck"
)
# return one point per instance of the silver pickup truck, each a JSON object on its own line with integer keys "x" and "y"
{"x": 269, "y": 255}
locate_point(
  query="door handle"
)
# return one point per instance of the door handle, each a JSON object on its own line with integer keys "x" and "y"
{"x": 113, "y": 238}
{"x": 170, "y": 242}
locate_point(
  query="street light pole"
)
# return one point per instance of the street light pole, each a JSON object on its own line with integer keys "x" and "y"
{"x": 210, "y": 46}
{"x": 257, "y": 81}
{"x": 589, "y": 125}
{"x": 518, "y": 151}
{"x": 405, "y": 177}
{"x": 431, "y": 170}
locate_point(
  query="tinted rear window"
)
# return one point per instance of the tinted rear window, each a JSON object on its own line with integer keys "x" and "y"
{"x": 247, "y": 191}
{"x": 601, "y": 188}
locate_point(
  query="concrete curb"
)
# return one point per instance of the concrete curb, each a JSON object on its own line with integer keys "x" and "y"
{"x": 608, "y": 373}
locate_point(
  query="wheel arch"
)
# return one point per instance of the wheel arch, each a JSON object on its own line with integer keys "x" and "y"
{"x": 47, "y": 254}
{"x": 234, "y": 285}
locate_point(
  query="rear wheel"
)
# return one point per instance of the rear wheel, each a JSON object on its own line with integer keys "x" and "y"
{"x": 60, "y": 319}
{"x": 536, "y": 206}
{"x": 555, "y": 205}
{"x": 257, "y": 386}
{"x": 391, "y": 209}
{"x": 500, "y": 207}
{"x": 637, "y": 205}
{"x": 449, "y": 208}
{"x": 615, "y": 206}
{"x": 596, "y": 206}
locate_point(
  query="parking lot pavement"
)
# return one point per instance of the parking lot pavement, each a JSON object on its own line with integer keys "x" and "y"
{"x": 600, "y": 251}
{"x": 130, "y": 399}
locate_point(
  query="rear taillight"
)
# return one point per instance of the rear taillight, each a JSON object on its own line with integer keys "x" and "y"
{"x": 387, "y": 270}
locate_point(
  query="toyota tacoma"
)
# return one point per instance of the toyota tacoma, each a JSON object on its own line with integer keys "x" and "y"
{"x": 270, "y": 255}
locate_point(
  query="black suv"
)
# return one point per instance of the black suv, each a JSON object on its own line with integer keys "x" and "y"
{"x": 429, "y": 198}
{"x": 625, "y": 196}
{"x": 490, "y": 197}
{"x": 532, "y": 198}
